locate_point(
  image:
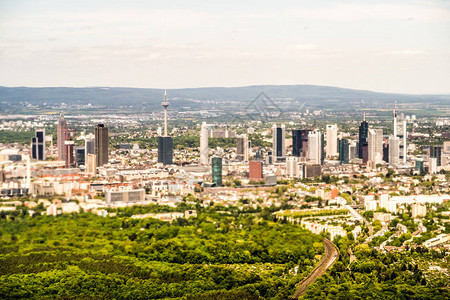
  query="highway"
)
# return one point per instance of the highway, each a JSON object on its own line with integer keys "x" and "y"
{"x": 329, "y": 258}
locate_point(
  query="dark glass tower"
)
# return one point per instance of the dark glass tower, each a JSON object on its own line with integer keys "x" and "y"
{"x": 322, "y": 146}
{"x": 299, "y": 142}
{"x": 38, "y": 145}
{"x": 279, "y": 142}
{"x": 165, "y": 149}
{"x": 386, "y": 152}
{"x": 363, "y": 135}
{"x": 68, "y": 153}
{"x": 101, "y": 144}
{"x": 216, "y": 164}
{"x": 436, "y": 152}
{"x": 344, "y": 151}
{"x": 80, "y": 158}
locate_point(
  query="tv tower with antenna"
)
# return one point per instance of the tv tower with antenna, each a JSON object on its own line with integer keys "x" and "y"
{"x": 165, "y": 143}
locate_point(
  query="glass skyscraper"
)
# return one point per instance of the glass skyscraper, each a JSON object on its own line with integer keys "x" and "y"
{"x": 165, "y": 150}
{"x": 216, "y": 164}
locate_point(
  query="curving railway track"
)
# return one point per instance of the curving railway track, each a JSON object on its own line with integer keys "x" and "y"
{"x": 330, "y": 257}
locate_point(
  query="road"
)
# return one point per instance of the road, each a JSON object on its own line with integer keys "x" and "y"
{"x": 330, "y": 257}
{"x": 359, "y": 217}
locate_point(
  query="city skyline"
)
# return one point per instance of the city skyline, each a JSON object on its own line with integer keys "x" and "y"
{"x": 225, "y": 150}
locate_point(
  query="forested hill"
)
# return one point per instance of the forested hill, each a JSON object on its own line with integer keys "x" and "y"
{"x": 116, "y": 95}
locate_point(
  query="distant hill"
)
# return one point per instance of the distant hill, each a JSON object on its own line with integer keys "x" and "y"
{"x": 130, "y": 96}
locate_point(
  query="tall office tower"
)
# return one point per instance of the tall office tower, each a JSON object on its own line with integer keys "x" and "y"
{"x": 299, "y": 142}
{"x": 394, "y": 150}
{"x": 419, "y": 165}
{"x": 315, "y": 147}
{"x": 62, "y": 136}
{"x": 432, "y": 165}
{"x": 332, "y": 146}
{"x": 344, "y": 151}
{"x": 91, "y": 163}
{"x": 445, "y": 155}
{"x": 101, "y": 144}
{"x": 292, "y": 167}
{"x": 436, "y": 152}
{"x": 216, "y": 164}
{"x": 365, "y": 153}
{"x": 165, "y": 150}
{"x": 385, "y": 151}
{"x": 279, "y": 142}
{"x": 80, "y": 156}
{"x": 204, "y": 135}
{"x": 38, "y": 145}
{"x": 322, "y": 150}
{"x": 255, "y": 171}
{"x": 400, "y": 132}
{"x": 363, "y": 134}
{"x": 165, "y": 143}
{"x": 353, "y": 150}
{"x": 68, "y": 153}
{"x": 89, "y": 147}
{"x": 242, "y": 147}
{"x": 375, "y": 145}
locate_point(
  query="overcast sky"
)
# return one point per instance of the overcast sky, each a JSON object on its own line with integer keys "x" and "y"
{"x": 387, "y": 46}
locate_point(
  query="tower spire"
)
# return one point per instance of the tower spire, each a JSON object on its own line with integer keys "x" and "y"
{"x": 364, "y": 117}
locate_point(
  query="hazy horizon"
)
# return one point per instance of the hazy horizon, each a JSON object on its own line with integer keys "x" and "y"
{"x": 212, "y": 87}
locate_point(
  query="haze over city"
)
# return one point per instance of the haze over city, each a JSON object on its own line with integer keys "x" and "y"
{"x": 384, "y": 46}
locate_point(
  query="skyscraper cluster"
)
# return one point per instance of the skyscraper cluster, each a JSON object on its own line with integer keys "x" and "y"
{"x": 93, "y": 154}
{"x": 310, "y": 146}
{"x": 373, "y": 148}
